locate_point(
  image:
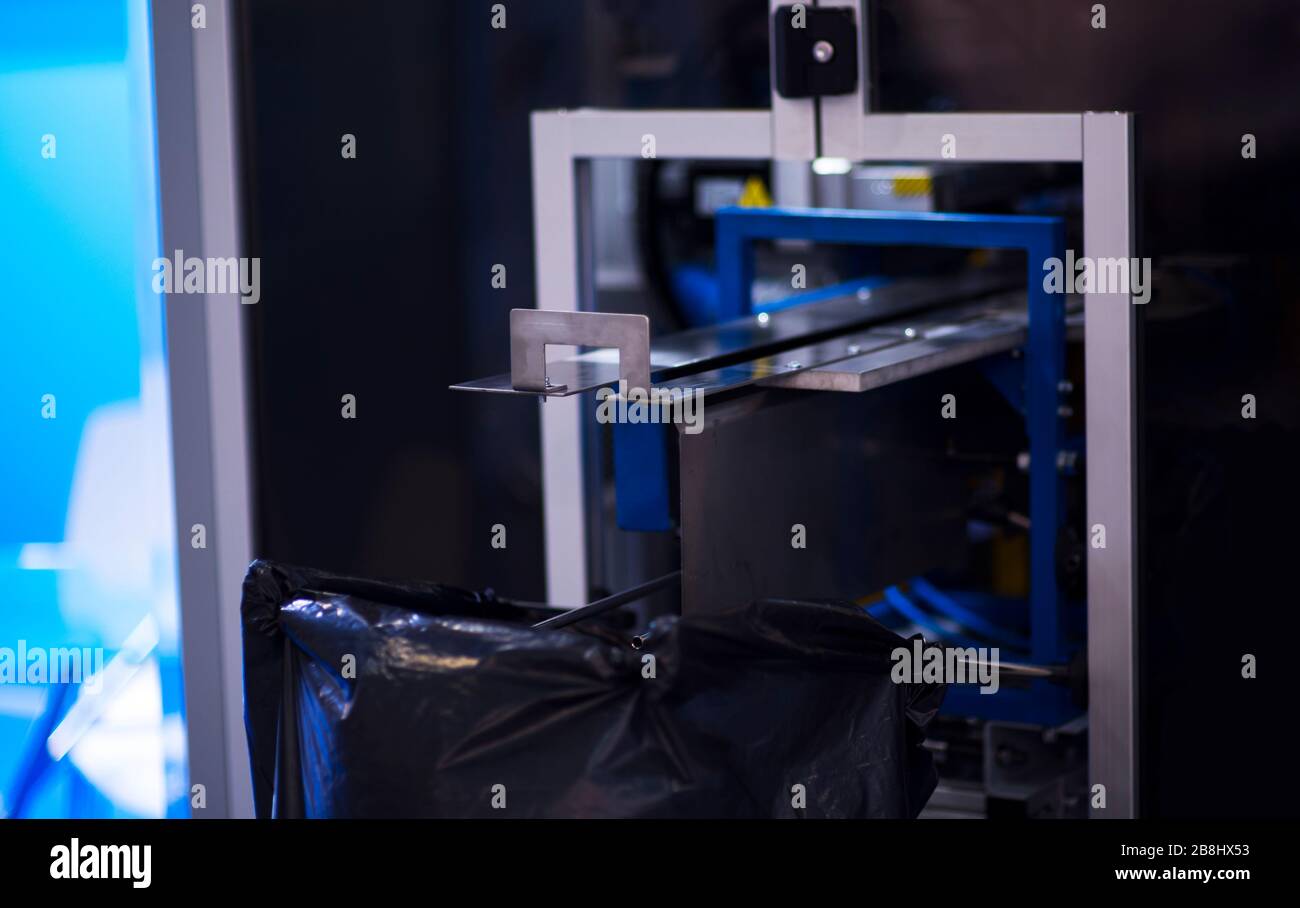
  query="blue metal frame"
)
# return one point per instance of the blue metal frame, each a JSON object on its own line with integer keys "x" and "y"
{"x": 1043, "y": 366}
{"x": 643, "y": 493}
{"x": 1032, "y": 382}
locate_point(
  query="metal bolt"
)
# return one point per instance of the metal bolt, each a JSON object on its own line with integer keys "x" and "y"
{"x": 1065, "y": 386}
{"x": 823, "y": 51}
{"x": 864, "y": 294}
{"x": 763, "y": 318}
{"x": 794, "y": 364}
{"x": 854, "y": 348}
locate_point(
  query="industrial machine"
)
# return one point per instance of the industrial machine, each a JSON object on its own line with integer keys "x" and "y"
{"x": 951, "y": 447}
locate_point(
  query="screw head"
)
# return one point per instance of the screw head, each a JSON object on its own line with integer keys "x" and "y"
{"x": 823, "y": 51}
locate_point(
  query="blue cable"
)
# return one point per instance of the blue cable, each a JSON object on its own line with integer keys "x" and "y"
{"x": 904, "y": 606}
{"x": 946, "y": 605}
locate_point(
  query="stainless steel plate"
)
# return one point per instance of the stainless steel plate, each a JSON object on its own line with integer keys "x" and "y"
{"x": 759, "y": 346}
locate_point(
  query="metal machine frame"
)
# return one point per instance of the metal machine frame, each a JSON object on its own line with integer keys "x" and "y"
{"x": 197, "y": 158}
{"x": 564, "y": 143}
{"x": 1043, "y": 363}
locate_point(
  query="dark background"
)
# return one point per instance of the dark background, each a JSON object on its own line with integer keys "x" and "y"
{"x": 376, "y": 282}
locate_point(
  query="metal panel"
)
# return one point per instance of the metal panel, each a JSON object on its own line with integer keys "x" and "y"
{"x": 532, "y": 330}
{"x": 849, "y": 468}
{"x": 197, "y": 161}
{"x": 1110, "y": 371}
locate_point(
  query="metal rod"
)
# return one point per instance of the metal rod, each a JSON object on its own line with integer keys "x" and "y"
{"x": 600, "y": 606}
{"x": 1022, "y": 669}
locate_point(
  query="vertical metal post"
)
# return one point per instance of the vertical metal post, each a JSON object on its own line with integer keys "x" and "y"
{"x": 840, "y": 116}
{"x": 557, "y": 266}
{"x": 1044, "y": 370}
{"x": 794, "y": 120}
{"x": 735, "y": 258}
{"x": 1111, "y": 369}
{"x": 194, "y": 94}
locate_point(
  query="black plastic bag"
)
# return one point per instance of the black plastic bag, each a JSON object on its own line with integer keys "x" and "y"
{"x": 372, "y": 699}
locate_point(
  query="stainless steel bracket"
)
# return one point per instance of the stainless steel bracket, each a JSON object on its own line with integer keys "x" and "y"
{"x": 531, "y": 330}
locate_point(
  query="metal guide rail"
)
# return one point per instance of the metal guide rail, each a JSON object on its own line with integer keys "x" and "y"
{"x": 853, "y": 342}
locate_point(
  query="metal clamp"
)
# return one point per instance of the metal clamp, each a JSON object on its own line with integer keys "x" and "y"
{"x": 531, "y": 330}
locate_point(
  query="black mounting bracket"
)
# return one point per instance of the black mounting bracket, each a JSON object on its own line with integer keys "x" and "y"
{"x": 814, "y": 51}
